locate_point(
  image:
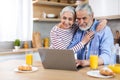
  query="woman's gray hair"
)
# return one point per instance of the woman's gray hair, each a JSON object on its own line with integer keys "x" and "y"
{"x": 69, "y": 9}
{"x": 86, "y": 7}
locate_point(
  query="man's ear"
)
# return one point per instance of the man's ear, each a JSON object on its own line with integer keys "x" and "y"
{"x": 92, "y": 15}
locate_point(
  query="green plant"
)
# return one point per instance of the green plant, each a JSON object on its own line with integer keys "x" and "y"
{"x": 17, "y": 42}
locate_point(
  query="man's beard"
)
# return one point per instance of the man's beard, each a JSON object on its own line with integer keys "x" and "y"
{"x": 85, "y": 28}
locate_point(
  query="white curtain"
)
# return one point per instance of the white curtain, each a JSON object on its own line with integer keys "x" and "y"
{"x": 16, "y": 20}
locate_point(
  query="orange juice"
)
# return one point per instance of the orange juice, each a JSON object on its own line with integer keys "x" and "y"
{"x": 29, "y": 59}
{"x": 26, "y": 45}
{"x": 115, "y": 68}
{"x": 93, "y": 61}
{"x": 46, "y": 42}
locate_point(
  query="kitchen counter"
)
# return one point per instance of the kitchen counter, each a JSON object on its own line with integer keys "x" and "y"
{"x": 13, "y": 51}
{"x": 7, "y": 73}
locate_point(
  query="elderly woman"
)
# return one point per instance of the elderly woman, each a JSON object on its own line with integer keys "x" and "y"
{"x": 62, "y": 33}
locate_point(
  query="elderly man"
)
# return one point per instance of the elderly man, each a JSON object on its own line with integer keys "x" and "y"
{"x": 101, "y": 42}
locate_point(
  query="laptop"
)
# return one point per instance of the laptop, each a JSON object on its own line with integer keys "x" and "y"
{"x": 58, "y": 59}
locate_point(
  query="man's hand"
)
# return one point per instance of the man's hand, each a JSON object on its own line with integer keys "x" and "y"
{"x": 82, "y": 63}
{"x": 85, "y": 63}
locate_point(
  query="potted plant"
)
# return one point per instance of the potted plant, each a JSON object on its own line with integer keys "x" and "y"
{"x": 17, "y": 44}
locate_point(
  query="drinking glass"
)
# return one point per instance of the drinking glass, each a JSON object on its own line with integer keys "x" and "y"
{"x": 29, "y": 57}
{"x": 94, "y": 60}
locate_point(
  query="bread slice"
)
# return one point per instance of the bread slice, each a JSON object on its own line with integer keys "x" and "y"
{"x": 106, "y": 72}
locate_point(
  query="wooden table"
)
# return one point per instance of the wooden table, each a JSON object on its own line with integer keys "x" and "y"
{"x": 7, "y": 73}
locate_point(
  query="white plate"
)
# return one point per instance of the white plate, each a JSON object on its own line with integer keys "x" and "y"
{"x": 33, "y": 70}
{"x": 95, "y": 73}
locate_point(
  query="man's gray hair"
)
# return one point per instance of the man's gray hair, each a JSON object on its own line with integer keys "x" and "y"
{"x": 69, "y": 9}
{"x": 86, "y": 7}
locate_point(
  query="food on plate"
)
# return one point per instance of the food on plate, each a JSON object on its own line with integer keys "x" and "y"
{"x": 25, "y": 68}
{"x": 106, "y": 72}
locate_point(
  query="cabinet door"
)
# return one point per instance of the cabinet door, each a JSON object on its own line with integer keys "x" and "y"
{"x": 104, "y": 7}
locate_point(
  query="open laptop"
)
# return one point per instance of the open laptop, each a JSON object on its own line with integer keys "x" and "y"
{"x": 58, "y": 59}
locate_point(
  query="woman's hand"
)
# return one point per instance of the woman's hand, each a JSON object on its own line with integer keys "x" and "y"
{"x": 101, "y": 25}
{"x": 88, "y": 36}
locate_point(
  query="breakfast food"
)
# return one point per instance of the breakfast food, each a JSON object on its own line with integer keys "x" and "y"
{"x": 106, "y": 72}
{"x": 25, "y": 68}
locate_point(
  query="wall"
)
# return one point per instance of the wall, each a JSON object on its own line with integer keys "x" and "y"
{"x": 114, "y": 25}
{"x": 10, "y": 45}
{"x": 42, "y": 27}
{"x": 45, "y": 27}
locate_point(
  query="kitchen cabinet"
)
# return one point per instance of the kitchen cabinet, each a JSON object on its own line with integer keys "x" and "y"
{"x": 41, "y": 8}
{"x": 109, "y": 9}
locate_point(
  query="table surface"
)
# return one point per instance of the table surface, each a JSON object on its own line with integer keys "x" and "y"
{"x": 7, "y": 73}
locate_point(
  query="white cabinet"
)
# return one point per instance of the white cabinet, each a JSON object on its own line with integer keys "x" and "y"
{"x": 105, "y": 7}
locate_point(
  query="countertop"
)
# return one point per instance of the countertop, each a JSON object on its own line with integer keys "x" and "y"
{"x": 14, "y": 51}
{"x": 7, "y": 73}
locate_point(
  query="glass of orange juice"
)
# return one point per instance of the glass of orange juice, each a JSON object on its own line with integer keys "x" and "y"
{"x": 29, "y": 57}
{"x": 94, "y": 60}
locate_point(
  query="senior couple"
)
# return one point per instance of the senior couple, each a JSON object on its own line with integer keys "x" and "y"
{"x": 79, "y": 31}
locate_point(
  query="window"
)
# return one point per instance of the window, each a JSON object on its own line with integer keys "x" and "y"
{"x": 16, "y": 20}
